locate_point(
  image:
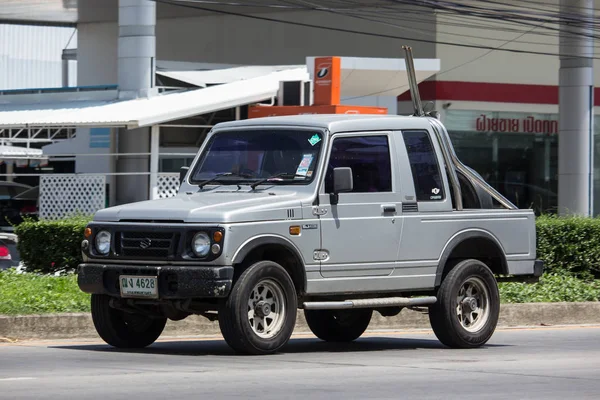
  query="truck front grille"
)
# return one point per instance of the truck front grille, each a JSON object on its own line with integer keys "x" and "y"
{"x": 151, "y": 245}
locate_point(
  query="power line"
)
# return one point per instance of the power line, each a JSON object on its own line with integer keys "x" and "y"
{"x": 487, "y": 13}
{"x": 351, "y": 31}
{"x": 445, "y": 71}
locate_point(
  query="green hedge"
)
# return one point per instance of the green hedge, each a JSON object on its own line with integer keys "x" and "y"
{"x": 569, "y": 244}
{"x": 50, "y": 246}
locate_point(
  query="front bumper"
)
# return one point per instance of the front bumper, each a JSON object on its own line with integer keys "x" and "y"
{"x": 174, "y": 282}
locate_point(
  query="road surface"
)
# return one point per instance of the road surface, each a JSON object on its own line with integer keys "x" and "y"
{"x": 546, "y": 363}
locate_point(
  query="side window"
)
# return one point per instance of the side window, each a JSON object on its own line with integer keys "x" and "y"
{"x": 425, "y": 169}
{"x": 369, "y": 158}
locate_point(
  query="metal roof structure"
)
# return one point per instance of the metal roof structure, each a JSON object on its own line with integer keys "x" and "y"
{"x": 219, "y": 76}
{"x": 149, "y": 111}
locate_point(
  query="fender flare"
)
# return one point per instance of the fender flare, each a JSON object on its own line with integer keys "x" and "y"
{"x": 457, "y": 240}
{"x": 253, "y": 243}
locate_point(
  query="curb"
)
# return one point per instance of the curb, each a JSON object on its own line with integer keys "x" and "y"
{"x": 71, "y": 326}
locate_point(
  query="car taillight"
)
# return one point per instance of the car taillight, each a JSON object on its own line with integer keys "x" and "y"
{"x": 28, "y": 209}
{"x": 4, "y": 253}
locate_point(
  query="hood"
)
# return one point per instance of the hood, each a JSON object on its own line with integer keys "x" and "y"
{"x": 216, "y": 206}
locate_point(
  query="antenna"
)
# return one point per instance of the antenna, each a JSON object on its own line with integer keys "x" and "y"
{"x": 412, "y": 82}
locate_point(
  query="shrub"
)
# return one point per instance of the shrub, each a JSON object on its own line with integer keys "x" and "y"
{"x": 50, "y": 246}
{"x": 569, "y": 244}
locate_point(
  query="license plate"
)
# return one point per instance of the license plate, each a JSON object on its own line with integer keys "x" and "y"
{"x": 139, "y": 286}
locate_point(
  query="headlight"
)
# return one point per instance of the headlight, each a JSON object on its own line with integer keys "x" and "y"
{"x": 201, "y": 244}
{"x": 103, "y": 242}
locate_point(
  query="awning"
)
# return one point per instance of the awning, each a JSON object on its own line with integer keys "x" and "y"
{"x": 224, "y": 75}
{"x": 148, "y": 111}
{"x": 22, "y": 156}
{"x": 19, "y": 153}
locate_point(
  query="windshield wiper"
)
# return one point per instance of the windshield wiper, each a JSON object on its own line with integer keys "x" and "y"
{"x": 216, "y": 178}
{"x": 281, "y": 175}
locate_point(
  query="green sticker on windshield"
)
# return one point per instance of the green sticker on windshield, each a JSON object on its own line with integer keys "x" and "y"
{"x": 314, "y": 140}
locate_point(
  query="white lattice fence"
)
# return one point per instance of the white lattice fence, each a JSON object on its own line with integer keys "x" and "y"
{"x": 168, "y": 185}
{"x": 66, "y": 195}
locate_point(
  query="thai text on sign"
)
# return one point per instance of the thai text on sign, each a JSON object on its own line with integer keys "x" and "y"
{"x": 528, "y": 124}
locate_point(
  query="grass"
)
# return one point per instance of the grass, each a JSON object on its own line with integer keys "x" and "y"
{"x": 30, "y": 293}
{"x": 554, "y": 287}
{"x": 40, "y": 294}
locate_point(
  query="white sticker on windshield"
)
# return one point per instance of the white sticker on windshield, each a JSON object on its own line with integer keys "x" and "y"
{"x": 304, "y": 165}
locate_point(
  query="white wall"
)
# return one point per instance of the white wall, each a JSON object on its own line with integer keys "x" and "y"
{"x": 97, "y": 54}
{"x": 500, "y": 66}
{"x": 231, "y": 39}
{"x": 237, "y": 40}
{"x": 30, "y": 55}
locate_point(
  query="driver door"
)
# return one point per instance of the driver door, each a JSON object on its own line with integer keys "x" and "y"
{"x": 360, "y": 234}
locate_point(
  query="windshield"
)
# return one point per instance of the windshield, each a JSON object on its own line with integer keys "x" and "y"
{"x": 252, "y": 155}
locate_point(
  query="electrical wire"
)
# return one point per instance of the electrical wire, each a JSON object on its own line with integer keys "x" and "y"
{"x": 352, "y": 31}
{"x": 445, "y": 71}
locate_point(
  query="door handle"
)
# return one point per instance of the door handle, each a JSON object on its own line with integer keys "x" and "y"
{"x": 388, "y": 208}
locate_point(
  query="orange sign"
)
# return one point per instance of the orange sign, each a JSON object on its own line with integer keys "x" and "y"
{"x": 327, "y": 81}
{"x": 266, "y": 111}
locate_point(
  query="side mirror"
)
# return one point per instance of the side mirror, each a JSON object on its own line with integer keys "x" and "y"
{"x": 182, "y": 173}
{"x": 342, "y": 182}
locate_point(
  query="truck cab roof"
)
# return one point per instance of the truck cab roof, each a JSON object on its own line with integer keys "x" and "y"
{"x": 336, "y": 122}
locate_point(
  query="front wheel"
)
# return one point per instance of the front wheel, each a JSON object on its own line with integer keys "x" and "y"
{"x": 124, "y": 330}
{"x": 260, "y": 313}
{"x": 468, "y": 306}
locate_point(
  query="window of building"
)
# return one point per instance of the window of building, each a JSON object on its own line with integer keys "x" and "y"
{"x": 369, "y": 158}
{"x": 425, "y": 168}
{"x": 516, "y": 153}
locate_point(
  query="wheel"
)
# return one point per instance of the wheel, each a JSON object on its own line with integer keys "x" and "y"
{"x": 121, "y": 329}
{"x": 338, "y": 325}
{"x": 259, "y": 315}
{"x": 468, "y": 306}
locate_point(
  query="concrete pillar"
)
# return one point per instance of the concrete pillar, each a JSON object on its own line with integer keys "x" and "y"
{"x": 576, "y": 110}
{"x": 136, "y": 69}
{"x": 132, "y": 188}
{"x": 154, "y": 160}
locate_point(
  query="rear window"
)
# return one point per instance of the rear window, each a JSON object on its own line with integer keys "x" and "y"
{"x": 424, "y": 166}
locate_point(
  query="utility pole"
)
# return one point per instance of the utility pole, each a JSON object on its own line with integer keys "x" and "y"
{"x": 576, "y": 108}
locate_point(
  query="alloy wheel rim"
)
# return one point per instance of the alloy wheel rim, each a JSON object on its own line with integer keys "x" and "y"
{"x": 266, "y": 308}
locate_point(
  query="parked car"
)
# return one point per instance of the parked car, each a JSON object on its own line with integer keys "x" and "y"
{"x": 9, "y": 254}
{"x": 16, "y": 201}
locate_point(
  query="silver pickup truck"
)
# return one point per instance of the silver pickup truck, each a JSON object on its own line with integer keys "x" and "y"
{"x": 337, "y": 215}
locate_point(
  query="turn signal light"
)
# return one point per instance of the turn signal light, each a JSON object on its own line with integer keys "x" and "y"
{"x": 87, "y": 233}
{"x": 295, "y": 230}
{"x": 218, "y": 236}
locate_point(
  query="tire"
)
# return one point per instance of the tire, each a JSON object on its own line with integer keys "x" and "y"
{"x": 123, "y": 330}
{"x": 338, "y": 325}
{"x": 253, "y": 333}
{"x": 461, "y": 331}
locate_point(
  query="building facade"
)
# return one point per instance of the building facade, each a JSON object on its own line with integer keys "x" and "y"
{"x": 501, "y": 107}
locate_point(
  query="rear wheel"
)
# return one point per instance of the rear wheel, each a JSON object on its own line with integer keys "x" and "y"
{"x": 121, "y": 329}
{"x": 468, "y": 306}
{"x": 259, "y": 315}
{"x": 338, "y": 325}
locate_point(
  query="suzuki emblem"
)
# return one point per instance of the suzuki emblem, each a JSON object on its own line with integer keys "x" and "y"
{"x": 144, "y": 244}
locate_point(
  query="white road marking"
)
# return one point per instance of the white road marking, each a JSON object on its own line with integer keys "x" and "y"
{"x": 23, "y": 378}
